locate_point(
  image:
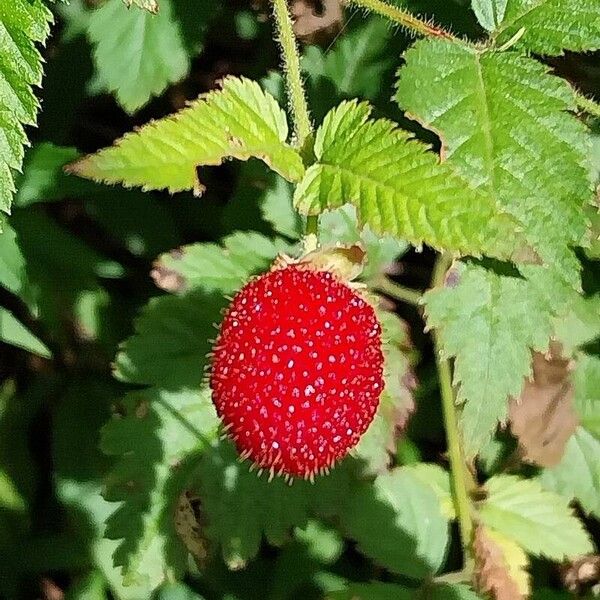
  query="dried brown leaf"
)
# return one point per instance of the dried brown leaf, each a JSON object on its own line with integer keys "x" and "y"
{"x": 316, "y": 20}
{"x": 543, "y": 417}
{"x": 500, "y": 566}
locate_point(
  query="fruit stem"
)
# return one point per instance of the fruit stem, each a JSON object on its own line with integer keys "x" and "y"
{"x": 397, "y": 291}
{"x": 461, "y": 479}
{"x": 403, "y": 18}
{"x": 293, "y": 75}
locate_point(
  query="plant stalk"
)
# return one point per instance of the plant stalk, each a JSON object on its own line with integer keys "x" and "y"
{"x": 397, "y": 291}
{"x": 403, "y": 18}
{"x": 293, "y": 75}
{"x": 459, "y": 474}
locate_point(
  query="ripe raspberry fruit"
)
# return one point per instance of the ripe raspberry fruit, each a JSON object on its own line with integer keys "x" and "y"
{"x": 297, "y": 370}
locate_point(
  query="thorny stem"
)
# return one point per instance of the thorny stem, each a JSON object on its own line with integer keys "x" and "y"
{"x": 587, "y": 105}
{"x": 397, "y": 291}
{"x": 402, "y": 17}
{"x": 293, "y": 76}
{"x": 460, "y": 476}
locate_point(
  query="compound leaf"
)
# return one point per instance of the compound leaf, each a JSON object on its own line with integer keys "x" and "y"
{"x": 397, "y": 186}
{"x": 238, "y": 121}
{"x": 23, "y": 24}
{"x": 503, "y": 123}
{"x": 541, "y": 522}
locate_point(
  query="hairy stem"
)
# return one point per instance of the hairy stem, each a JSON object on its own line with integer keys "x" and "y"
{"x": 591, "y": 107}
{"x": 402, "y": 17}
{"x": 293, "y": 75}
{"x": 397, "y": 291}
{"x": 459, "y": 474}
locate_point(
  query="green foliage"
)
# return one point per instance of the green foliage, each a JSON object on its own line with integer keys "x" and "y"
{"x": 577, "y": 476}
{"x": 153, "y": 434}
{"x": 23, "y": 24}
{"x": 503, "y": 123}
{"x": 136, "y": 66}
{"x": 122, "y": 484}
{"x": 375, "y": 166}
{"x": 550, "y": 26}
{"x": 165, "y": 154}
{"x": 539, "y": 521}
{"x": 211, "y": 267}
{"x": 490, "y": 323}
{"x": 398, "y": 522}
{"x": 12, "y": 331}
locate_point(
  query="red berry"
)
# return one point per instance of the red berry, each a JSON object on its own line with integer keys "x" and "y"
{"x": 297, "y": 370}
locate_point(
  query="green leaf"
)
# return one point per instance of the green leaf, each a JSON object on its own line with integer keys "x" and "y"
{"x": 438, "y": 480}
{"x": 239, "y": 121}
{"x": 551, "y": 26}
{"x": 156, "y": 437}
{"x": 42, "y": 177}
{"x": 177, "y": 591}
{"x": 586, "y": 380}
{"x": 489, "y": 12}
{"x": 171, "y": 341}
{"x": 12, "y": 331}
{"x": 277, "y": 208}
{"x": 391, "y": 591}
{"x": 539, "y": 521}
{"x": 397, "y": 186}
{"x": 23, "y": 24}
{"x": 356, "y": 63}
{"x": 577, "y": 476}
{"x": 240, "y": 507}
{"x": 373, "y": 591}
{"x": 136, "y": 54}
{"x": 398, "y": 523}
{"x": 489, "y": 323}
{"x": 13, "y": 274}
{"x": 215, "y": 267}
{"x": 503, "y": 123}
{"x": 581, "y": 325}
{"x": 341, "y": 226}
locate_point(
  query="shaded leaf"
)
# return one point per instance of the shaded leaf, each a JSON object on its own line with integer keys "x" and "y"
{"x": 13, "y": 332}
{"x": 398, "y": 523}
{"x": 155, "y": 437}
{"x": 171, "y": 341}
{"x": 137, "y": 54}
{"x": 238, "y": 121}
{"x": 541, "y": 522}
{"x": 489, "y": 12}
{"x": 586, "y": 380}
{"x": 397, "y": 186}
